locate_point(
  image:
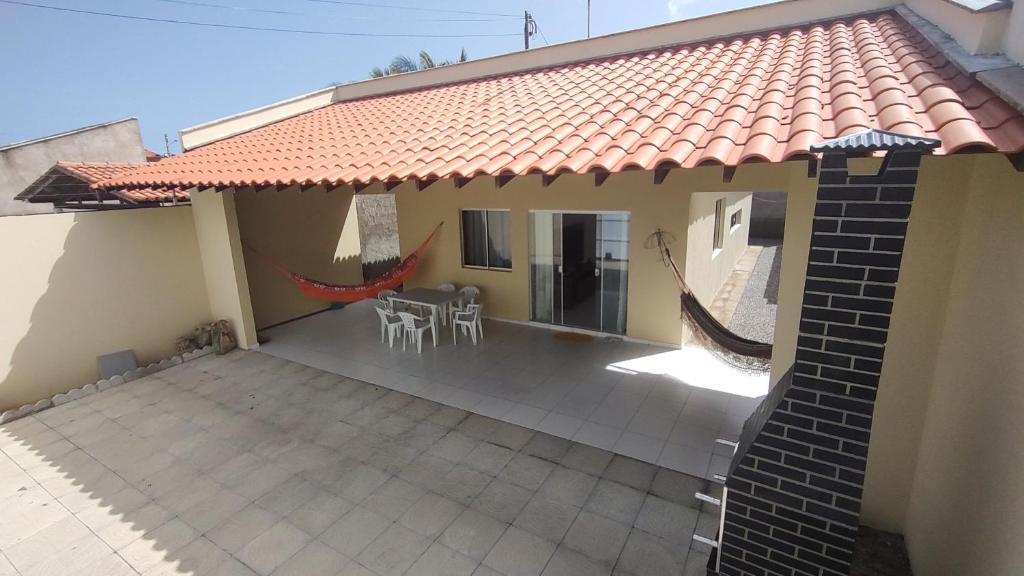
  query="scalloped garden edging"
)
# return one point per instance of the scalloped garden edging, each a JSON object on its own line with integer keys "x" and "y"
{"x": 103, "y": 384}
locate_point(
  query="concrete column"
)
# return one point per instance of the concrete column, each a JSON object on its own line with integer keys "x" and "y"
{"x": 220, "y": 248}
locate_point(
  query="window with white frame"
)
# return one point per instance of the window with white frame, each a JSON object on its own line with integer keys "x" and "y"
{"x": 486, "y": 239}
{"x": 735, "y": 220}
{"x": 719, "y": 223}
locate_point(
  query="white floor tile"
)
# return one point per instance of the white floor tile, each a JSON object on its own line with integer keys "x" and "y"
{"x": 685, "y": 459}
{"x": 597, "y": 435}
{"x": 639, "y": 446}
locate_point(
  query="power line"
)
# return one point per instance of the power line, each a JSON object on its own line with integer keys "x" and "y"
{"x": 226, "y": 7}
{"x": 344, "y": 17}
{"x": 248, "y": 28}
{"x": 417, "y": 8}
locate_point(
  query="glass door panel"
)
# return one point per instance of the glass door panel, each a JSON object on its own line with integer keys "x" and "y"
{"x": 614, "y": 271}
{"x": 579, "y": 269}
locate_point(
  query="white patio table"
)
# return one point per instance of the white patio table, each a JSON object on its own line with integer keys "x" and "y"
{"x": 428, "y": 298}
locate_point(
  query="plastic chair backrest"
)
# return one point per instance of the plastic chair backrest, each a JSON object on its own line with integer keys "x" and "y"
{"x": 385, "y": 313}
{"x": 471, "y": 292}
{"x": 409, "y": 320}
{"x": 446, "y": 287}
{"x": 473, "y": 309}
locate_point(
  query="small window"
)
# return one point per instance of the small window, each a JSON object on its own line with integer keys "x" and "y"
{"x": 486, "y": 239}
{"x": 735, "y": 220}
{"x": 719, "y": 223}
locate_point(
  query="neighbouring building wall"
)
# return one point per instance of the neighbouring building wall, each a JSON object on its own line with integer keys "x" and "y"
{"x": 313, "y": 233}
{"x": 707, "y": 269}
{"x": 1013, "y": 42}
{"x": 220, "y": 249}
{"x": 966, "y": 505}
{"x": 76, "y": 286}
{"x": 653, "y": 297}
{"x": 22, "y": 164}
{"x": 976, "y": 32}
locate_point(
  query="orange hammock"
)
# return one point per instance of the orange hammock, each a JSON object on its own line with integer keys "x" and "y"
{"x": 353, "y": 293}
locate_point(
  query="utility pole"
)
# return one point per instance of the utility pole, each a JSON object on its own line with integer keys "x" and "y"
{"x": 529, "y": 29}
{"x": 588, "y": 18}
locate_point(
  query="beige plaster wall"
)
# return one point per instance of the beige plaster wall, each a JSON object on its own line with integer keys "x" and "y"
{"x": 976, "y": 32}
{"x": 707, "y": 269}
{"x": 966, "y": 505}
{"x": 76, "y": 286}
{"x": 1013, "y": 40}
{"x": 653, "y": 301}
{"x": 916, "y": 327}
{"x": 914, "y": 335}
{"x": 313, "y": 233}
{"x": 220, "y": 250}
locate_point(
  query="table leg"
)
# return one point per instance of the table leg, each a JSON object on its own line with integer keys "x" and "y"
{"x": 433, "y": 319}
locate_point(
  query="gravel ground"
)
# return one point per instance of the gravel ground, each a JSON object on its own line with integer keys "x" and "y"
{"x": 755, "y": 314}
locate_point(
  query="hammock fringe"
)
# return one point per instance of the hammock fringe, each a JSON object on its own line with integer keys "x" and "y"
{"x": 740, "y": 352}
{"x": 354, "y": 292}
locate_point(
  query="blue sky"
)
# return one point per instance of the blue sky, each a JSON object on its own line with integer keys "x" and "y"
{"x": 63, "y": 71}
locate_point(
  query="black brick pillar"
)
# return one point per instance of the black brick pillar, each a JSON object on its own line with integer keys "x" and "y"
{"x": 793, "y": 496}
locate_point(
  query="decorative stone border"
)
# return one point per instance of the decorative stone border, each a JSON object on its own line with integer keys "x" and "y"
{"x": 103, "y": 384}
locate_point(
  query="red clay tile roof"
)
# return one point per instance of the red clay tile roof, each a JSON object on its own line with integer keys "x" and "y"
{"x": 95, "y": 172}
{"x": 760, "y": 97}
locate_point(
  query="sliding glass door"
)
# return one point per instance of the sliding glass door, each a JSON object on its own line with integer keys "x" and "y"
{"x": 579, "y": 269}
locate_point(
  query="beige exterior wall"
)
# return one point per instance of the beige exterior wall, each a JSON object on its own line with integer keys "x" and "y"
{"x": 76, "y": 286}
{"x": 653, "y": 300}
{"x": 1013, "y": 43}
{"x": 313, "y": 233}
{"x": 966, "y": 505}
{"x": 707, "y": 269}
{"x": 976, "y": 32}
{"x": 945, "y": 462}
{"x": 220, "y": 249}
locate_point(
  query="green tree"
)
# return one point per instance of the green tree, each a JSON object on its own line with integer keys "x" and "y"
{"x": 405, "y": 64}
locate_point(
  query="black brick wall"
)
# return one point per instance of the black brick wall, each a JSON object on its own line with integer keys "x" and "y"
{"x": 794, "y": 490}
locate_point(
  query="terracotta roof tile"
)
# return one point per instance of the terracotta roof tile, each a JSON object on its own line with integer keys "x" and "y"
{"x": 762, "y": 97}
{"x": 94, "y": 172}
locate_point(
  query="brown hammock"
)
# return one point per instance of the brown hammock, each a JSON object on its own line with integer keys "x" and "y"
{"x": 715, "y": 336}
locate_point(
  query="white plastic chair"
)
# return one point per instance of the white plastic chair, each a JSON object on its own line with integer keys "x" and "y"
{"x": 445, "y": 310}
{"x": 471, "y": 321}
{"x": 469, "y": 296}
{"x": 389, "y": 324}
{"x": 385, "y": 297}
{"x": 414, "y": 327}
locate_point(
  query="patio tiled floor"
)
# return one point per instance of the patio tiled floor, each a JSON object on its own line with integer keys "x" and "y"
{"x": 654, "y": 404}
{"x": 249, "y": 463}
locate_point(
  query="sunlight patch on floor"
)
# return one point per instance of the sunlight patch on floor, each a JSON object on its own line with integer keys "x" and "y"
{"x": 698, "y": 368}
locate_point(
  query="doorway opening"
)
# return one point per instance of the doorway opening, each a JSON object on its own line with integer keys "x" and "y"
{"x": 579, "y": 269}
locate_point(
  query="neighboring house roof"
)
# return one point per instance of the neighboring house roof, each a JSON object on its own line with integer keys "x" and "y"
{"x": 758, "y": 97}
{"x": 76, "y": 182}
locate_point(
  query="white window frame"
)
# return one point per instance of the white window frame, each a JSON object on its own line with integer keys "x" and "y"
{"x": 487, "y": 238}
{"x": 738, "y": 217}
{"x": 718, "y": 241}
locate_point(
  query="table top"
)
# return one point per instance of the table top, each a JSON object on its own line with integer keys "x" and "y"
{"x": 427, "y": 296}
